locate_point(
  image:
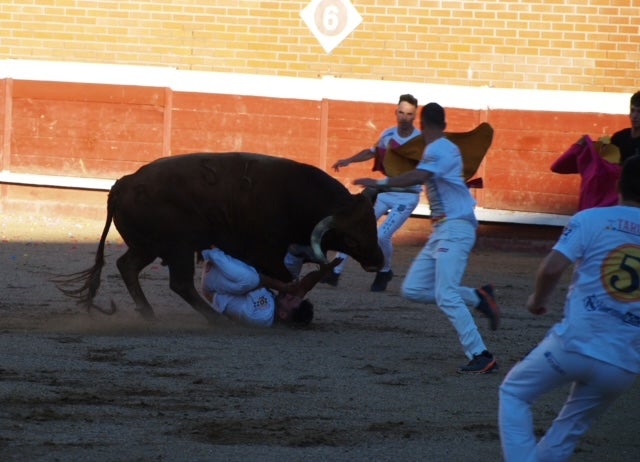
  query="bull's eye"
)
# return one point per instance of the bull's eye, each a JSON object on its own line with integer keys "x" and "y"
{"x": 350, "y": 242}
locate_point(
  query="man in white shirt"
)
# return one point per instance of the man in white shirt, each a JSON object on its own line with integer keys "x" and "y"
{"x": 236, "y": 290}
{"x": 436, "y": 273}
{"x": 400, "y": 205}
{"x": 596, "y": 346}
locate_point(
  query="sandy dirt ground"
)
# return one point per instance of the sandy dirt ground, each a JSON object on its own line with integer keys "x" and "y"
{"x": 373, "y": 379}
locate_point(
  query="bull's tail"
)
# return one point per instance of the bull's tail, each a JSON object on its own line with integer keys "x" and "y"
{"x": 89, "y": 278}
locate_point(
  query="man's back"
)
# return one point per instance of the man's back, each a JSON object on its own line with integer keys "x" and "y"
{"x": 602, "y": 312}
{"x": 446, "y": 190}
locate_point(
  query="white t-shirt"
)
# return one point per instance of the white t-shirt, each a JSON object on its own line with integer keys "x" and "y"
{"x": 390, "y": 138}
{"x": 236, "y": 292}
{"x": 391, "y": 134}
{"x": 446, "y": 190}
{"x": 256, "y": 307}
{"x": 602, "y": 309}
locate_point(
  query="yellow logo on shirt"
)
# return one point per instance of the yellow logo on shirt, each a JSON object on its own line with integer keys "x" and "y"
{"x": 620, "y": 273}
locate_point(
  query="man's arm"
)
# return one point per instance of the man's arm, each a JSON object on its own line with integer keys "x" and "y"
{"x": 410, "y": 178}
{"x": 547, "y": 279}
{"x": 273, "y": 283}
{"x": 300, "y": 287}
{"x": 364, "y": 155}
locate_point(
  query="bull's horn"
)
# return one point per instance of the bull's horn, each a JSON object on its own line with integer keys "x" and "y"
{"x": 317, "y": 234}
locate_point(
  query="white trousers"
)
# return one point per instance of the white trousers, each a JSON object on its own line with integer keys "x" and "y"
{"x": 294, "y": 264}
{"x": 435, "y": 276}
{"x": 595, "y": 385}
{"x": 400, "y": 206}
{"x": 227, "y": 275}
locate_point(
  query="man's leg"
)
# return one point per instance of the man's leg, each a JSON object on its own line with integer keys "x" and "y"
{"x": 524, "y": 384}
{"x": 452, "y": 256}
{"x": 228, "y": 275}
{"x": 596, "y": 385}
{"x": 400, "y": 206}
{"x": 418, "y": 284}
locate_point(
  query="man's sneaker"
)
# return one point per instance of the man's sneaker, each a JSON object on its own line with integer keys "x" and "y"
{"x": 381, "y": 281}
{"x": 480, "y": 364}
{"x": 488, "y": 305}
{"x": 332, "y": 279}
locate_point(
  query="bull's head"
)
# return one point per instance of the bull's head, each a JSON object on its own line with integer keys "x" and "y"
{"x": 351, "y": 230}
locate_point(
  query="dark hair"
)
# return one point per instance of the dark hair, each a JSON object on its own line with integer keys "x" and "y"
{"x": 635, "y": 99}
{"x": 303, "y": 315}
{"x": 432, "y": 115}
{"x": 629, "y": 185}
{"x": 407, "y": 98}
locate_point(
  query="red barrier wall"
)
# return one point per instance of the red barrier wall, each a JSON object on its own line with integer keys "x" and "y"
{"x": 221, "y": 123}
{"x": 516, "y": 173}
{"x": 106, "y": 131}
{"x": 91, "y": 130}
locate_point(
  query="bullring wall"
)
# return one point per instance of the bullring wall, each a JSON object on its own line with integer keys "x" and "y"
{"x": 104, "y": 131}
{"x": 94, "y": 89}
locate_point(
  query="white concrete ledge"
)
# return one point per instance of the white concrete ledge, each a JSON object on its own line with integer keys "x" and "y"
{"x": 507, "y": 216}
{"x": 316, "y": 89}
{"x": 72, "y": 182}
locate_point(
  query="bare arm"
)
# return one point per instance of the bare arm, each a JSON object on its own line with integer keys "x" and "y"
{"x": 547, "y": 278}
{"x": 410, "y": 178}
{"x": 301, "y": 287}
{"x": 272, "y": 283}
{"x": 362, "y": 156}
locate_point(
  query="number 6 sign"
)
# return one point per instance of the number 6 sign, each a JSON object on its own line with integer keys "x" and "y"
{"x": 330, "y": 21}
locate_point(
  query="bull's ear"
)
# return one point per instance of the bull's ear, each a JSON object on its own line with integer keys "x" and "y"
{"x": 370, "y": 194}
{"x": 362, "y": 203}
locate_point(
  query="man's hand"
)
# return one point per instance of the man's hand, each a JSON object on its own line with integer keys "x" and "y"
{"x": 535, "y": 307}
{"x": 294, "y": 288}
{"x": 311, "y": 279}
{"x": 367, "y": 183}
{"x": 333, "y": 263}
{"x": 340, "y": 163}
{"x": 547, "y": 277}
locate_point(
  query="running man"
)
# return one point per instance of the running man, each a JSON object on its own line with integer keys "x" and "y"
{"x": 436, "y": 273}
{"x": 596, "y": 346}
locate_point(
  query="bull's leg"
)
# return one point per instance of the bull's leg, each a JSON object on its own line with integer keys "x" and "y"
{"x": 181, "y": 274}
{"x": 130, "y": 264}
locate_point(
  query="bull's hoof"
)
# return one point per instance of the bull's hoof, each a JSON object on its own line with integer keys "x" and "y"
{"x": 212, "y": 320}
{"x": 146, "y": 314}
{"x": 109, "y": 312}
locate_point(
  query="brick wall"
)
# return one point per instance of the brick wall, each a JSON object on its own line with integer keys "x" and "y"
{"x": 593, "y": 45}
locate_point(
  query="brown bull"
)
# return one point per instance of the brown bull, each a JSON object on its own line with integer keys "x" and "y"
{"x": 252, "y": 206}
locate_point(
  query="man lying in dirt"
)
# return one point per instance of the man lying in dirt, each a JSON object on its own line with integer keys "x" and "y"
{"x": 239, "y": 292}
